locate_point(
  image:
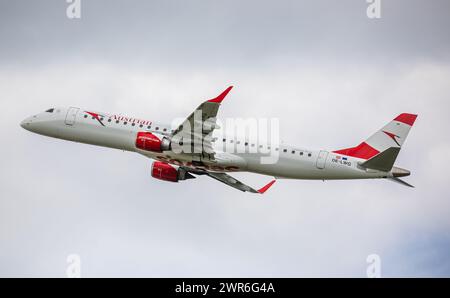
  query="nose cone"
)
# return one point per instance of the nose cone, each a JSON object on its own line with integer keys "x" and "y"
{"x": 25, "y": 124}
{"x": 29, "y": 123}
{"x": 40, "y": 124}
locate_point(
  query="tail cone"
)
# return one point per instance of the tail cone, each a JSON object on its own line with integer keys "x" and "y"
{"x": 399, "y": 172}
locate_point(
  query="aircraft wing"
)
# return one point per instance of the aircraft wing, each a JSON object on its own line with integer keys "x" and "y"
{"x": 233, "y": 182}
{"x": 197, "y": 129}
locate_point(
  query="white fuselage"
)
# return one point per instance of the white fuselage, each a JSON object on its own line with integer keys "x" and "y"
{"x": 120, "y": 132}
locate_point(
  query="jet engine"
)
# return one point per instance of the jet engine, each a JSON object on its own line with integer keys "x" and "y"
{"x": 167, "y": 172}
{"x": 151, "y": 142}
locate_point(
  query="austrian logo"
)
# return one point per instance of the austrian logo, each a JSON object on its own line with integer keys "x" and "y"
{"x": 97, "y": 117}
{"x": 392, "y": 136}
{"x": 100, "y": 117}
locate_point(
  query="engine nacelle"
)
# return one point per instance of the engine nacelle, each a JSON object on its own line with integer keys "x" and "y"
{"x": 167, "y": 172}
{"x": 151, "y": 142}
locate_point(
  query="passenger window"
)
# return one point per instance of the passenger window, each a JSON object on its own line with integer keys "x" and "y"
{"x": 124, "y": 123}
{"x": 301, "y": 153}
{"x": 246, "y": 144}
{"x": 224, "y": 140}
{"x": 109, "y": 120}
{"x": 284, "y": 150}
{"x": 293, "y": 151}
{"x": 309, "y": 154}
{"x": 117, "y": 121}
{"x": 156, "y": 128}
{"x": 85, "y": 116}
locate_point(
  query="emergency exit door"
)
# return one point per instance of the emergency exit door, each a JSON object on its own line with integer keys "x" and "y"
{"x": 71, "y": 116}
{"x": 321, "y": 159}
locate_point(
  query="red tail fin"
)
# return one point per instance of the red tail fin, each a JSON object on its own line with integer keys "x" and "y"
{"x": 392, "y": 134}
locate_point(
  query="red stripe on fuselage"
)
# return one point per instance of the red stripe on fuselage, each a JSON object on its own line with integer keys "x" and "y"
{"x": 363, "y": 150}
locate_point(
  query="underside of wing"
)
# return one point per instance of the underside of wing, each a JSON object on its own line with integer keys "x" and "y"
{"x": 233, "y": 182}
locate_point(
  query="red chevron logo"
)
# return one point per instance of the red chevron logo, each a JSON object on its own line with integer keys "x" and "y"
{"x": 392, "y": 136}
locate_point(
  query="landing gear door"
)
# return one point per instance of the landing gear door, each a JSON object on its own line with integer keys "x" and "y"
{"x": 71, "y": 116}
{"x": 321, "y": 159}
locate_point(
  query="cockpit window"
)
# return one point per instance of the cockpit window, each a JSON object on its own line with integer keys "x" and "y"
{"x": 50, "y": 110}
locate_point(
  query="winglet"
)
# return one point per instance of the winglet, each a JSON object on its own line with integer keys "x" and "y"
{"x": 219, "y": 98}
{"x": 268, "y": 185}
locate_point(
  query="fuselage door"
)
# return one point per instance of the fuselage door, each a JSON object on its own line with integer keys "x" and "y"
{"x": 321, "y": 159}
{"x": 71, "y": 116}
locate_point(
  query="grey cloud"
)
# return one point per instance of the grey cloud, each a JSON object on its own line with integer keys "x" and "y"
{"x": 223, "y": 34}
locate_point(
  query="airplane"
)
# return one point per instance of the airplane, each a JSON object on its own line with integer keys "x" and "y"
{"x": 372, "y": 158}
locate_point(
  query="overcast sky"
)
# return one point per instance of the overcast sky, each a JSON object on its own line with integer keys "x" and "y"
{"x": 332, "y": 77}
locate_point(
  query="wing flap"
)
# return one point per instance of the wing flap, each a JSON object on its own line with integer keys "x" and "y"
{"x": 199, "y": 125}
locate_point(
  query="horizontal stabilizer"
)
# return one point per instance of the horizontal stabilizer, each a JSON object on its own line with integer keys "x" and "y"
{"x": 398, "y": 180}
{"x": 383, "y": 161}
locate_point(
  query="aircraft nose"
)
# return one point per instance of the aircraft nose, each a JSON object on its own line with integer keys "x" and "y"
{"x": 26, "y": 123}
